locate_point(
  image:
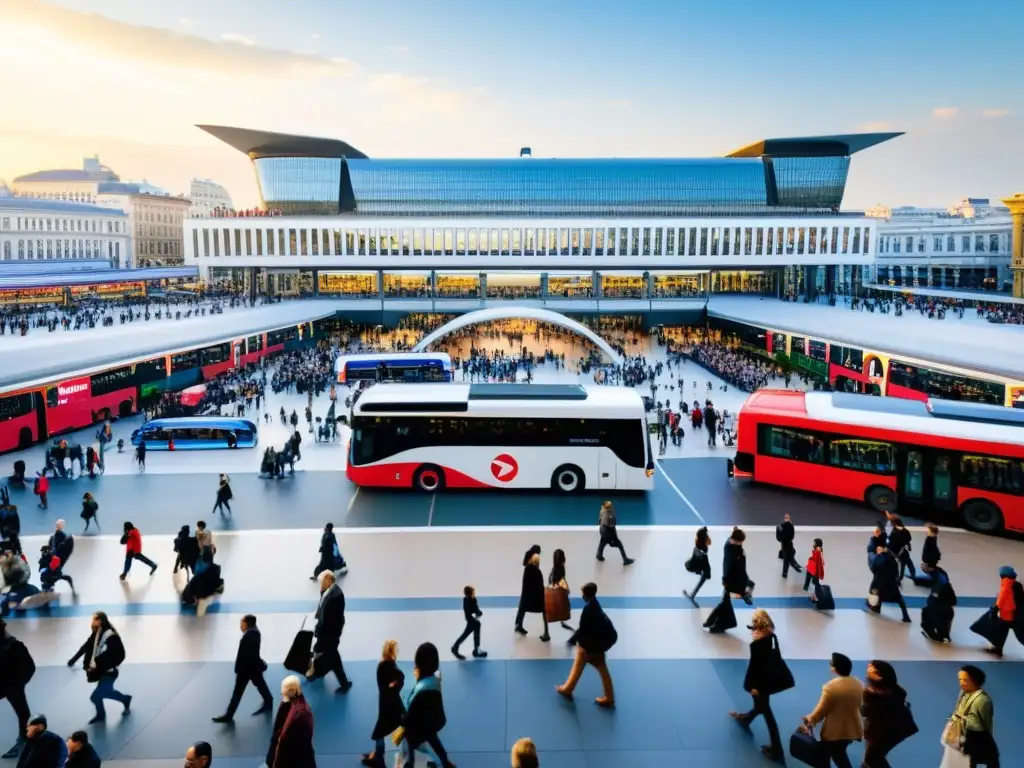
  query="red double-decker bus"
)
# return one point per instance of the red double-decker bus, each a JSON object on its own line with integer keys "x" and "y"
{"x": 938, "y": 459}
{"x": 32, "y": 415}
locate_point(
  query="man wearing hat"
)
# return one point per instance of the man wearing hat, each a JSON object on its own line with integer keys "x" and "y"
{"x": 43, "y": 748}
{"x": 1009, "y": 610}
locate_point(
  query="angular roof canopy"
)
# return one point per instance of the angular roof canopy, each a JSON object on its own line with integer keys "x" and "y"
{"x": 67, "y": 174}
{"x": 257, "y": 144}
{"x": 842, "y": 145}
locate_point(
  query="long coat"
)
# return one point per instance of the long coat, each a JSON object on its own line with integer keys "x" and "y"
{"x": 767, "y": 673}
{"x": 291, "y": 745}
{"x": 531, "y": 599}
{"x": 734, "y": 569}
{"x": 390, "y": 709}
{"x": 886, "y": 580}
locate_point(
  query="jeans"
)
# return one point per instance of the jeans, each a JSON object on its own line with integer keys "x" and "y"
{"x": 763, "y": 707}
{"x": 105, "y": 690}
{"x": 811, "y": 580}
{"x": 837, "y": 753}
{"x": 789, "y": 561}
{"x": 136, "y": 556}
{"x": 378, "y": 751}
{"x": 704, "y": 576}
{"x": 435, "y": 745}
{"x": 473, "y": 628}
{"x": 220, "y": 506}
{"x": 906, "y": 564}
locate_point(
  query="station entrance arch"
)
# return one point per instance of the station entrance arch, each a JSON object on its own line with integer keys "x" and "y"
{"x": 518, "y": 313}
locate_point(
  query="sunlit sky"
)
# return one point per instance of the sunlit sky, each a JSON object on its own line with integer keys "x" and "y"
{"x": 129, "y": 79}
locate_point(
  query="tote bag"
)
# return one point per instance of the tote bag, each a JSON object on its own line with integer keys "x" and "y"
{"x": 556, "y": 604}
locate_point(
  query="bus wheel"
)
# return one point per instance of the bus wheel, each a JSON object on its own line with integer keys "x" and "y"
{"x": 982, "y": 516}
{"x": 568, "y": 478}
{"x": 881, "y": 499}
{"x": 428, "y": 479}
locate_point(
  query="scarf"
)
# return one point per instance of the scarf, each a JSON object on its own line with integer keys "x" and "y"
{"x": 432, "y": 683}
{"x": 99, "y": 643}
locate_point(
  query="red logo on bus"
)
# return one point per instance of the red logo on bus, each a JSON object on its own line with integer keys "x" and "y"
{"x": 504, "y": 468}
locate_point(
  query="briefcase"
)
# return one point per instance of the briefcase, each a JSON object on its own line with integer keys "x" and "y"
{"x": 301, "y": 651}
{"x": 823, "y": 599}
{"x": 806, "y": 749}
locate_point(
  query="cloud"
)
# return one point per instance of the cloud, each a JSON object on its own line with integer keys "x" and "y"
{"x": 401, "y": 50}
{"x": 878, "y": 126}
{"x": 187, "y": 23}
{"x": 314, "y": 36}
{"x": 234, "y": 37}
{"x": 945, "y": 113}
{"x": 994, "y": 114}
{"x": 617, "y": 103}
{"x": 104, "y": 38}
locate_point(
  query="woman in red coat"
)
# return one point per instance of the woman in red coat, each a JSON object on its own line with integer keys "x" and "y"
{"x": 815, "y": 570}
{"x": 291, "y": 746}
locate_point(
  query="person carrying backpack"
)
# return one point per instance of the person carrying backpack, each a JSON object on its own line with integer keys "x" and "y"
{"x": 594, "y": 638}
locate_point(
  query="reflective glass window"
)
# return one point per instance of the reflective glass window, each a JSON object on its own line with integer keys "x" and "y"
{"x": 760, "y": 241}
{"x": 300, "y": 185}
{"x": 658, "y": 240}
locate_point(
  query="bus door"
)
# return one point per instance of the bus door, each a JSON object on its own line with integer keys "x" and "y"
{"x": 607, "y": 468}
{"x": 926, "y": 480}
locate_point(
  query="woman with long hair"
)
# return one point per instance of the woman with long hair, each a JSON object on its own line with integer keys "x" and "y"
{"x": 102, "y": 653}
{"x": 557, "y": 581}
{"x": 390, "y": 709}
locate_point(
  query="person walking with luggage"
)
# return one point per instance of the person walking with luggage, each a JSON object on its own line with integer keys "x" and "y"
{"x": 330, "y": 623}
{"x": 1005, "y": 616}
{"x": 785, "y": 533}
{"x": 249, "y": 668}
{"x": 102, "y": 654}
{"x": 390, "y": 709}
{"x": 838, "y": 712}
{"x": 609, "y": 533}
{"x": 699, "y": 563}
{"x": 815, "y": 569}
{"x": 16, "y": 670}
{"x": 330, "y": 554}
{"x": 969, "y": 730}
{"x": 735, "y": 581}
{"x": 224, "y": 495}
{"x": 595, "y": 637}
{"x": 930, "y": 555}
{"x": 132, "y": 540}
{"x": 89, "y": 510}
{"x": 471, "y": 610}
{"x": 939, "y": 608}
{"x": 531, "y": 597}
{"x": 557, "y": 606}
{"x": 767, "y": 674}
{"x": 887, "y": 717}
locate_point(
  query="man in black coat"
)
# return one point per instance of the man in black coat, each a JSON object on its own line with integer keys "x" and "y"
{"x": 330, "y": 623}
{"x": 885, "y": 582}
{"x": 81, "y": 754}
{"x": 16, "y": 669}
{"x": 594, "y": 638}
{"x": 249, "y": 668}
{"x": 43, "y": 748}
{"x": 785, "y": 533}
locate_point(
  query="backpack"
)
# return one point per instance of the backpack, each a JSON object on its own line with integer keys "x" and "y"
{"x": 611, "y": 635}
{"x": 778, "y": 532}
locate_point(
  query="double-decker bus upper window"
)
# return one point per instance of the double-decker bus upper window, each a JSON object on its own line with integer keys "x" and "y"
{"x": 184, "y": 361}
{"x": 13, "y": 406}
{"x": 150, "y": 370}
{"x": 816, "y": 350}
{"x": 989, "y": 473}
{"x": 863, "y": 455}
{"x": 904, "y": 375}
{"x": 113, "y": 380}
{"x": 948, "y": 386}
{"x": 218, "y": 353}
{"x": 281, "y": 336}
{"x": 848, "y": 357}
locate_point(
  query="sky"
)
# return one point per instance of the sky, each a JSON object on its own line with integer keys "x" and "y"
{"x": 129, "y": 80}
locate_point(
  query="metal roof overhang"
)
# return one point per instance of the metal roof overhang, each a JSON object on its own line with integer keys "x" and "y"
{"x": 257, "y": 144}
{"x": 841, "y": 145}
{"x": 40, "y": 360}
{"x": 95, "y": 277}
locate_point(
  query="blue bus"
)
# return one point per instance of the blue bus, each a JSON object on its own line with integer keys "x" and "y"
{"x": 394, "y": 367}
{"x": 196, "y": 433}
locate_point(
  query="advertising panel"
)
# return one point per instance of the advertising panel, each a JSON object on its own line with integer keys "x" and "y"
{"x": 33, "y": 296}
{"x": 109, "y": 290}
{"x": 74, "y": 391}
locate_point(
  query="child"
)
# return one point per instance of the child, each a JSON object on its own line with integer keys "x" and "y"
{"x": 815, "y": 568}
{"x": 472, "y": 611}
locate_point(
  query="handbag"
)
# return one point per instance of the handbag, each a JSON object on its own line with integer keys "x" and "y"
{"x": 556, "y": 604}
{"x": 696, "y": 562}
{"x": 804, "y": 748}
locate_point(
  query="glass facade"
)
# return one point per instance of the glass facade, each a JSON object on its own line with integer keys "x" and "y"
{"x": 639, "y": 188}
{"x": 301, "y": 185}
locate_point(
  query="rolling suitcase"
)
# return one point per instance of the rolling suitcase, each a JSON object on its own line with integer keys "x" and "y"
{"x": 301, "y": 652}
{"x": 823, "y": 599}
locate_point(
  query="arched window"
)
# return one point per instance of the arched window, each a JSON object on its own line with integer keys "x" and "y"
{"x": 6, "y": 223}
{"x": 67, "y": 249}
{"x": 950, "y": 244}
{"x": 97, "y": 251}
{"x": 88, "y": 250}
{"x": 49, "y": 249}
{"x": 57, "y": 251}
{"x": 7, "y": 250}
{"x": 74, "y": 249}
{"x": 117, "y": 252}
{"x": 110, "y": 250}
{"x": 21, "y": 249}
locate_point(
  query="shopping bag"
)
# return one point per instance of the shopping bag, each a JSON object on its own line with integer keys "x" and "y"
{"x": 300, "y": 652}
{"x": 804, "y": 748}
{"x": 556, "y": 604}
{"x": 954, "y": 758}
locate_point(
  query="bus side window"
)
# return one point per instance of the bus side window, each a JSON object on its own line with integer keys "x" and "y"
{"x": 988, "y": 473}
{"x": 942, "y": 482}
{"x": 789, "y": 444}
{"x": 913, "y": 477}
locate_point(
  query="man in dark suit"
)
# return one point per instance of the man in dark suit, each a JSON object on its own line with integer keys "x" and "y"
{"x": 330, "y": 622}
{"x": 785, "y": 533}
{"x": 249, "y": 668}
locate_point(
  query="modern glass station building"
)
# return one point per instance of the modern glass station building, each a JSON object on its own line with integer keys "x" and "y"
{"x": 606, "y": 234}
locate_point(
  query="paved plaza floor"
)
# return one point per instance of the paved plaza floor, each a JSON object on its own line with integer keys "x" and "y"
{"x": 410, "y": 556}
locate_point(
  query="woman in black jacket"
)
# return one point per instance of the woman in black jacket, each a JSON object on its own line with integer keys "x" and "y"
{"x": 330, "y": 554}
{"x": 531, "y": 599}
{"x": 885, "y": 583}
{"x": 887, "y": 719}
{"x": 767, "y": 674}
{"x": 424, "y": 716}
{"x": 735, "y": 581}
{"x": 187, "y": 548}
{"x": 699, "y": 562}
{"x": 390, "y": 709}
{"x": 224, "y": 495}
{"x": 102, "y": 654}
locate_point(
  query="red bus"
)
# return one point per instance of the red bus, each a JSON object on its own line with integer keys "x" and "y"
{"x": 940, "y": 459}
{"x": 33, "y": 415}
